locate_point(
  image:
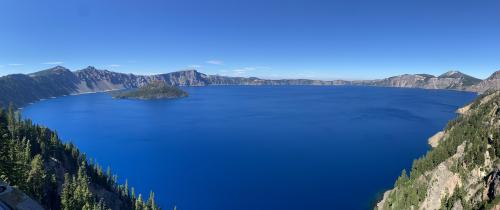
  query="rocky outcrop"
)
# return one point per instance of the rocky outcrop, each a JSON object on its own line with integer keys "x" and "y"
{"x": 493, "y": 184}
{"x": 11, "y": 197}
{"x": 434, "y": 140}
{"x": 380, "y": 204}
{"x": 463, "y": 110}
{"x": 443, "y": 180}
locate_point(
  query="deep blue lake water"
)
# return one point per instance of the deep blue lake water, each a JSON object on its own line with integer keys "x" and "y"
{"x": 256, "y": 147}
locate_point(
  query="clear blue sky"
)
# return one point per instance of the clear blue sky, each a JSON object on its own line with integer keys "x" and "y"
{"x": 350, "y": 39}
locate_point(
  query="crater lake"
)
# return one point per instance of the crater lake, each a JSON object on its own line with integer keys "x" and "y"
{"x": 256, "y": 147}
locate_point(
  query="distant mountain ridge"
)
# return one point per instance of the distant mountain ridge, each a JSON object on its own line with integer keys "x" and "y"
{"x": 490, "y": 83}
{"x": 454, "y": 80}
{"x": 22, "y": 89}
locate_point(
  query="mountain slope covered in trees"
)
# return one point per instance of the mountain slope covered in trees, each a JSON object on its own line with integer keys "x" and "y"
{"x": 57, "y": 175}
{"x": 462, "y": 171}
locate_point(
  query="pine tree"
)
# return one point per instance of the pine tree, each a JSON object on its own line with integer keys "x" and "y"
{"x": 139, "y": 203}
{"x": 4, "y": 163}
{"x": 51, "y": 198}
{"x": 67, "y": 200}
{"x": 402, "y": 179}
{"x": 11, "y": 119}
{"x": 88, "y": 206}
{"x": 108, "y": 175}
{"x": 36, "y": 177}
{"x": 54, "y": 144}
{"x": 27, "y": 151}
{"x": 114, "y": 180}
{"x": 151, "y": 200}
{"x": 19, "y": 164}
{"x": 133, "y": 194}
{"x": 126, "y": 189}
{"x": 99, "y": 206}
{"x": 82, "y": 191}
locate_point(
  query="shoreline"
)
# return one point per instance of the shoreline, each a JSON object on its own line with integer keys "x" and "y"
{"x": 71, "y": 94}
{"x": 253, "y": 85}
{"x": 433, "y": 142}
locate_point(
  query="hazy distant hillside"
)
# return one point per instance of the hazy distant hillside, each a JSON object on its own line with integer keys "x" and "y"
{"x": 23, "y": 89}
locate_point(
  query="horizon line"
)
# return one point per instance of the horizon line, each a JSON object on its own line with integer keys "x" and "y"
{"x": 267, "y": 78}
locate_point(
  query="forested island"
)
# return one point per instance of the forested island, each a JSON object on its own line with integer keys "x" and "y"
{"x": 57, "y": 175}
{"x": 155, "y": 90}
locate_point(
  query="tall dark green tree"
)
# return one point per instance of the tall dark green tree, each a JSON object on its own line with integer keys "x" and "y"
{"x": 37, "y": 178}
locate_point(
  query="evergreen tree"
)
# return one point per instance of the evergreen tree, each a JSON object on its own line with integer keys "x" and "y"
{"x": 36, "y": 177}
{"x": 67, "y": 201}
{"x": 133, "y": 194}
{"x": 108, "y": 174}
{"x": 82, "y": 191}
{"x": 139, "y": 203}
{"x": 54, "y": 144}
{"x": 27, "y": 151}
{"x": 126, "y": 189}
{"x": 151, "y": 200}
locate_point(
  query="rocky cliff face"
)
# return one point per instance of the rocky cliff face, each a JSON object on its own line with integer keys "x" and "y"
{"x": 449, "y": 80}
{"x": 462, "y": 170}
{"x": 99, "y": 80}
{"x": 93, "y": 80}
{"x": 490, "y": 83}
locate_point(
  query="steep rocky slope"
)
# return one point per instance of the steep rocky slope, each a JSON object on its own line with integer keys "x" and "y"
{"x": 449, "y": 80}
{"x": 98, "y": 80}
{"x": 94, "y": 80}
{"x": 462, "y": 171}
{"x": 492, "y": 82}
